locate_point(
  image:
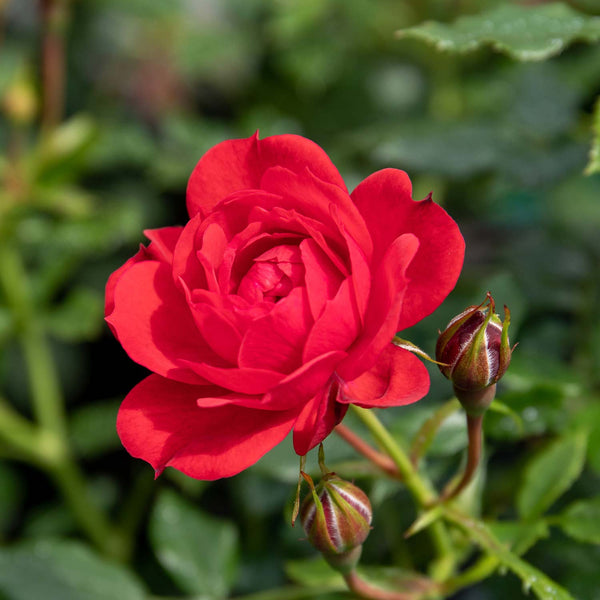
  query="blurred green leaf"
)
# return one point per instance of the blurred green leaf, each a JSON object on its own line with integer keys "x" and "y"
{"x": 551, "y": 473}
{"x": 199, "y": 551}
{"x": 78, "y": 317}
{"x": 519, "y": 536}
{"x": 61, "y": 155}
{"x": 532, "y": 578}
{"x": 92, "y": 428}
{"x": 594, "y": 162}
{"x": 56, "y": 569}
{"x": 581, "y": 520}
{"x": 503, "y": 409}
{"x": 314, "y": 573}
{"x": 11, "y": 496}
{"x": 522, "y": 32}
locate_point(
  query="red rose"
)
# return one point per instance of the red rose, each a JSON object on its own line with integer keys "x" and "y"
{"x": 275, "y": 306}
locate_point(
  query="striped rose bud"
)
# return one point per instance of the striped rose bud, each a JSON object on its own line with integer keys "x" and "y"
{"x": 337, "y": 519}
{"x": 474, "y": 353}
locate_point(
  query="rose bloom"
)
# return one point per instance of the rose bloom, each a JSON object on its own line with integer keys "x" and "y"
{"x": 274, "y": 308}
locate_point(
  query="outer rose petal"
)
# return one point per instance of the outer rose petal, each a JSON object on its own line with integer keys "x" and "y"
{"x": 385, "y": 303}
{"x": 153, "y": 323}
{"x": 317, "y": 419}
{"x": 160, "y": 421}
{"x": 161, "y": 248}
{"x": 384, "y": 200}
{"x": 397, "y": 378}
{"x": 236, "y": 165}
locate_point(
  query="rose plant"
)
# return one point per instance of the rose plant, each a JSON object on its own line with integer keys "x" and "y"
{"x": 274, "y": 307}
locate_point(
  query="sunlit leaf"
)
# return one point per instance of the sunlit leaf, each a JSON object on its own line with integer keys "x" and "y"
{"x": 521, "y": 32}
{"x": 551, "y": 473}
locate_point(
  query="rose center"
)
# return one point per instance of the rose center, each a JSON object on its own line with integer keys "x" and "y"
{"x": 272, "y": 275}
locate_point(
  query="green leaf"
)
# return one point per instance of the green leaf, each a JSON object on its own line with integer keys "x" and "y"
{"x": 551, "y": 473}
{"x": 581, "y": 520}
{"x": 533, "y": 579}
{"x": 519, "y": 536}
{"x": 593, "y": 165}
{"x": 198, "y": 550}
{"x": 56, "y": 569}
{"x": 78, "y": 317}
{"x": 523, "y": 33}
{"x": 314, "y": 572}
{"x": 92, "y": 428}
{"x": 503, "y": 409}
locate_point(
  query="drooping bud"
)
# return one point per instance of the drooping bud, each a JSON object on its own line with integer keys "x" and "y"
{"x": 475, "y": 352}
{"x": 336, "y": 516}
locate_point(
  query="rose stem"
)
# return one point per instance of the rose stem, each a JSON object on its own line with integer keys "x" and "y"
{"x": 420, "y": 489}
{"x": 474, "y": 430}
{"x": 48, "y": 405}
{"x": 365, "y": 590}
{"x": 54, "y": 21}
{"x": 384, "y": 462}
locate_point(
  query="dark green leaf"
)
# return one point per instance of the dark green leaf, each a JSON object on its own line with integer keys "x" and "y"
{"x": 92, "y": 428}
{"x": 551, "y": 473}
{"x": 521, "y": 32}
{"x": 63, "y": 570}
{"x": 594, "y": 162}
{"x": 581, "y": 520}
{"x": 198, "y": 550}
{"x": 78, "y": 317}
{"x": 518, "y": 536}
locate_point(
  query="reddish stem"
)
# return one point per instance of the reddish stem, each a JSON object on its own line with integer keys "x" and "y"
{"x": 474, "y": 431}
{"x": 54, "y": 17}
{"x": 384, "y": 462}
{"x": 365, "y": 590}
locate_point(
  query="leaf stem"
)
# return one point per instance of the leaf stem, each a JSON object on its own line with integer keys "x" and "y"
{"x": 54, "y": 453}
{"x": 383, "y": 461}
{"x": 420, "y": 489}
{"x": 474, "y": 431}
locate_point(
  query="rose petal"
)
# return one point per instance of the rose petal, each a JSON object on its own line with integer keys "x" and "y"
{"x": 321, "y": 276}
{"x": 239, "y": 165}
{"x": 163, "y": 242}
{"x": 276, "y": 340}
{"x": 314, "y": 198}
{"x": 317, "y": 419}
{"x": 153, "y": 323}
{"x": 242, "y": 380}
{"x": 385, "y": 303}
{"x": 337, "y": 327}
{"x": 160, "y": 422}
{"x": 397, "y": 378}
{"x": 384, "y": 200}
{"x": 304, "y": 382}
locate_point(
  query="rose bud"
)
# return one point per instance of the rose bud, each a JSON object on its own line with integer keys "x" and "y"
{"x": 337, "y": 519}
{"x": 474, "y": 353}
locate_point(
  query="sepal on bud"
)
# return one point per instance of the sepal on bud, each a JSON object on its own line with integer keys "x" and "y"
{"x": 475, "y": 353}
{"x": 336, "y": 516}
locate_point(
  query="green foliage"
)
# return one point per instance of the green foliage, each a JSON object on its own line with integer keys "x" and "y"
{"x": 199, "y": 551}
{"x": 524, "y": 33}
{"x": 63, "y": 570}
{"x": 503, "y": 145}
{"x": 581, "y": 520}
{"x": 550, "y": 473}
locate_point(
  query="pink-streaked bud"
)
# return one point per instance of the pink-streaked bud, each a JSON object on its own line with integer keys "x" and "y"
{"x": 336, "y": 516}
{"x": 474, "y": 352}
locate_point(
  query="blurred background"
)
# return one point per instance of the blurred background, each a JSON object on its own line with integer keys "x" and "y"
{"x": 106, "y": 106}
